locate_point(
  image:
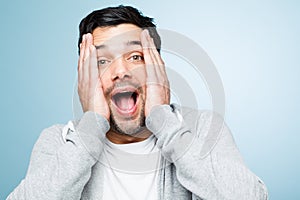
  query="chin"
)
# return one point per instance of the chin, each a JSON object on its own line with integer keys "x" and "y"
{"x": 126, "y": 103}
{"x": 128, "y": 126}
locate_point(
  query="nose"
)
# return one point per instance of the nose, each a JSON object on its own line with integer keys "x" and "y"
{"x": 120, "y": 69}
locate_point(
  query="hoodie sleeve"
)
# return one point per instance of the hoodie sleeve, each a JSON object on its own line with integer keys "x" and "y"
{"x": 204, "y": 153}
{"x": 61, "y": 163}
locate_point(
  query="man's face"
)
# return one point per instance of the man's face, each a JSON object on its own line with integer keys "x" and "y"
{"x": 121, "y": 66}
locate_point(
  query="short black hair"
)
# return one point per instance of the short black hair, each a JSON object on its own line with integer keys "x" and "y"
{"x": 113, "y": 16}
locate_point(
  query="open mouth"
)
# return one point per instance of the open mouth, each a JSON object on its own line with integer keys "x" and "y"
{"x": 125, "y": 101}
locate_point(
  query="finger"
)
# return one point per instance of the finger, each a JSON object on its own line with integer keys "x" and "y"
{"x": 150, "y": 71}
{"x": 82, "y": 48}
{"x": 87, "y": 46}
{"x": 151, "y": 49}
{"x": 160, "y": 67}
{"x": 93, "y": 69}
{"x": 154, "y": 58}
{"x": 81, "y": 57}
{"x": 86, "y": 60}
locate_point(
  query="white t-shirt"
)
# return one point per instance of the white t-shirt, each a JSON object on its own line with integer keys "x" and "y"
{"x": 131, "y": 170}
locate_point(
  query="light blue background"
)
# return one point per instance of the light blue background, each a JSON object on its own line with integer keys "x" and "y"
{"x": 254, "y": 45}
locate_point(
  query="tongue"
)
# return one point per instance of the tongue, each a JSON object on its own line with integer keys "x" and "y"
{"x": 125, "y": 103}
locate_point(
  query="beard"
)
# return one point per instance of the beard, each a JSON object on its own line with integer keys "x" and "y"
{"x": 131, "y": 125}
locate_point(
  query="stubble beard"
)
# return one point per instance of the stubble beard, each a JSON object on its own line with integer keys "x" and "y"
{"x": 132, "y": 126}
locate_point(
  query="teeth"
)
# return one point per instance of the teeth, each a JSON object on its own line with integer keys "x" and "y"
{"x": 122, "y": 94}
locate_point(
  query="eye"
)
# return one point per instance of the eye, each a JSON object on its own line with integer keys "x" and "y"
{"x": 103, "y": 62}
{"x": 136, "y": 58}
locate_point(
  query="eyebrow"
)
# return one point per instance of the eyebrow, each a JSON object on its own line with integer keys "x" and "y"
{"x": 134, "y": 42}
{"x": 102, "y": 46}
{"x": 129, "y": 43}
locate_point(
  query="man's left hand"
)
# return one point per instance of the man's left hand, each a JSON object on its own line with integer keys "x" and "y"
{"x": 157, "y": 83}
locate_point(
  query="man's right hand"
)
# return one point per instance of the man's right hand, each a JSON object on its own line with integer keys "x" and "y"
{"x": 89, "y": 82}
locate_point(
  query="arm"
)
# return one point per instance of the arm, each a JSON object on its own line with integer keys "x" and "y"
{"x": 204, "y": 153}
{"x": 200, "y": 146}
{"x": 60, "y": 169}
{"x": 61, "y": 166}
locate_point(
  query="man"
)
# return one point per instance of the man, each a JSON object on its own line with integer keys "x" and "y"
{"x": 130, "y": 142}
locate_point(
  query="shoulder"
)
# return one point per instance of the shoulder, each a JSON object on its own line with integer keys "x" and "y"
{"x": 53, "y": 132}
{"x": 200, "y": 117}
{"x": 50, "y": 139}
{"x": 209, "y": 127}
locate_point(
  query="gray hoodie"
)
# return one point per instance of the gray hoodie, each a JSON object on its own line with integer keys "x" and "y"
{"x": 200, "y": 159}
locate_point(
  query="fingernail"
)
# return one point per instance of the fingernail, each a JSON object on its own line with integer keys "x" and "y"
{"x": 147, "y": 32}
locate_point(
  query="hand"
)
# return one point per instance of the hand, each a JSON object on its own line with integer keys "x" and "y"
{"x": 89, "y": 83}
{"x": 157, "y": 84}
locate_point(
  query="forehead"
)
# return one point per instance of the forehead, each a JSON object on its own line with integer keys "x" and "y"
{"x": 114, "y": 35}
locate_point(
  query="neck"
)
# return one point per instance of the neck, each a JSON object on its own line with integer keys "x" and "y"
{"x": 119, "y": 138}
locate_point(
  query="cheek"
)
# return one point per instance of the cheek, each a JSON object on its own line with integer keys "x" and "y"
{"x": 104, "y": 71}
{"x": 139, "y": 73}
{"x": 105, "y": 80}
